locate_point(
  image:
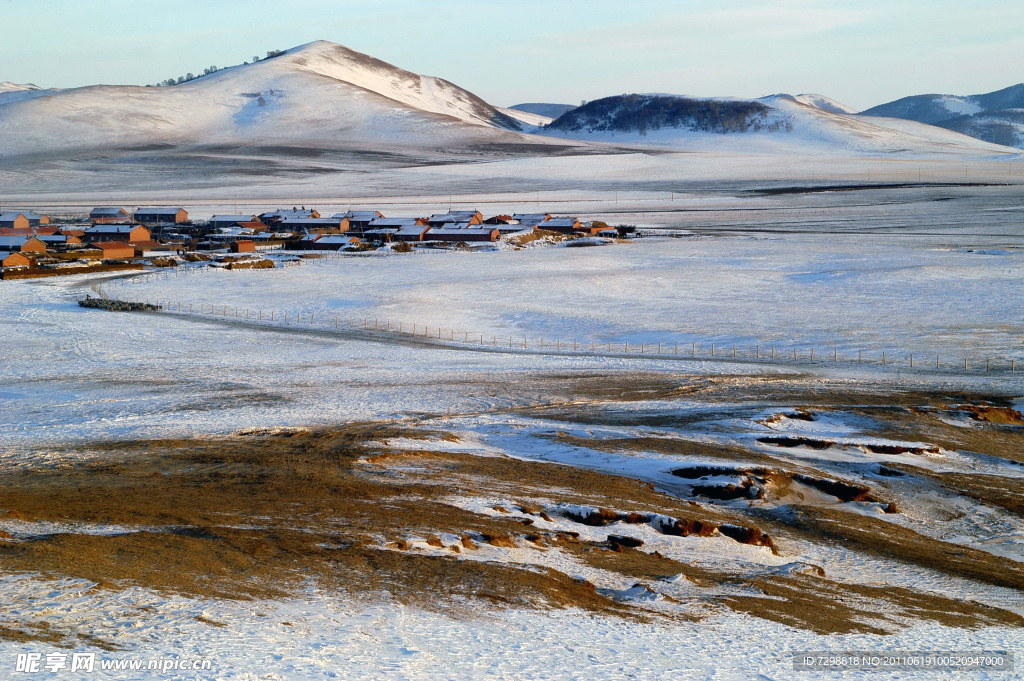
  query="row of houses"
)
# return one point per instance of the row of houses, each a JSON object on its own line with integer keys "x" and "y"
{"x": 115, "y": 233}
{"x": 103, "y": 241}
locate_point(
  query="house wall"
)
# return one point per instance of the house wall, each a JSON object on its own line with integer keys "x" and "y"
{"x": 112, "y": 253}
{"x": 16, "y": 260}
{"x": 20, "y": 222}
{"x": 33, "y": 246}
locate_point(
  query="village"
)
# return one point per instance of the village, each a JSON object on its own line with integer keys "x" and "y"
{"x": 112, "y": 238}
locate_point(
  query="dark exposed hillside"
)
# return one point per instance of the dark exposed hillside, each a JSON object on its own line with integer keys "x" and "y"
{"x": 641, "y": 113}
{"x": 1004, "y": 126}
{"x": 1007, "y": 98}
{"x": 921, "y": 108}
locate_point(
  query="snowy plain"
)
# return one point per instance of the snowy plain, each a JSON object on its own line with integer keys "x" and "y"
{"x": 73, "y": 370}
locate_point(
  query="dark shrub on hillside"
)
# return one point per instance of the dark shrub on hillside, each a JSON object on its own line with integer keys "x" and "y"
{"x": 628, "y": 113}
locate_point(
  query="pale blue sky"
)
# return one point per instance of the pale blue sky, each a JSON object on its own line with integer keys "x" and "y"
{"x": 860, "y": 53}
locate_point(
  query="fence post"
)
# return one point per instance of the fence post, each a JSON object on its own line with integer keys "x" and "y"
{"x": 883, "y": 357}
{"x": 693, "y": 350}
{"x": 911, "y": 360}
{"x": 712, "y": 349}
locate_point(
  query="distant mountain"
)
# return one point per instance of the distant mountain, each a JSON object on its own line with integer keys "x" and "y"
{"x": 8, "y": 86}
{"x": 324, "y": 115}
{"x": 994, "y": 117}
{"x": 779, "y": 124}
{"x": 14, "y": 92}
{"x": 320, "y": 95}
{"x": 547, "y": 110}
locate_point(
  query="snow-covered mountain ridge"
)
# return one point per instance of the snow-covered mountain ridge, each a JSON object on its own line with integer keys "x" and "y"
{"x": 994, "y": 117}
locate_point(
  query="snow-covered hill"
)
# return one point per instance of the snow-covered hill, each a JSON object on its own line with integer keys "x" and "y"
{"x": 825, "y": 104}
{"x": 14, "y": 92}
{"x": 994, "y": 117}
{"x": 320, "y": 94}
{"x": 551, "y": 111}
{"x": 779, "y": 124}
{"x": 324, "y": 118}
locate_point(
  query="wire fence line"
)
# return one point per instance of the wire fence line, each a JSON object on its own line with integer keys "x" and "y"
{"x": 376, "y": 328}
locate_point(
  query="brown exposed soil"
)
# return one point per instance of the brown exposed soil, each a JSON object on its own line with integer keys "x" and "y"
{"x": 251, "y": 265}
{"x": 264, "y": 515}
{"x": 523, "y": 238}
{"x": 840, "y": 489}
{"x": 812, "y": 443}
{"x": 1000, "y": 415}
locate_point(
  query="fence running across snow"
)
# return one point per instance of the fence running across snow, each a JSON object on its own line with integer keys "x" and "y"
{"x": 375, "y": 328}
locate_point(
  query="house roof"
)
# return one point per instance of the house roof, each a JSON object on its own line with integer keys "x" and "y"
{"x": 454, "y": 216}
{"x": 7, "y": 254}
{"x": 392, "y": 222}
{"x": 337, "y": 239}
{"x": 159, "y": 210}
{"x": 12, "y": 215}
{"x": 561, "y": 222}
{"x": 412, "y": 229}
{"x": 52, "y": 238}
{"x": 112, "y": 229}
{"x": 111, "y": 245}
{"x": 233, "y": 218}
{"x": 460, "y": 230}
{"x": 24, "y": 231}
{"x": 283, "y": 214}
{"x": 527, "y": 217}
{"x": 11, "y": 243}
{"x": 360, "y": 215}
{"x": 319, "y": 222}
{"x": 111, "y": 211}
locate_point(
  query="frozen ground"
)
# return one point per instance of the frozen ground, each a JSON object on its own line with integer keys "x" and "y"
{"x": 914, "y": 270}
{"x": 321, "y": 637}
{"x": 73, "y": 372}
